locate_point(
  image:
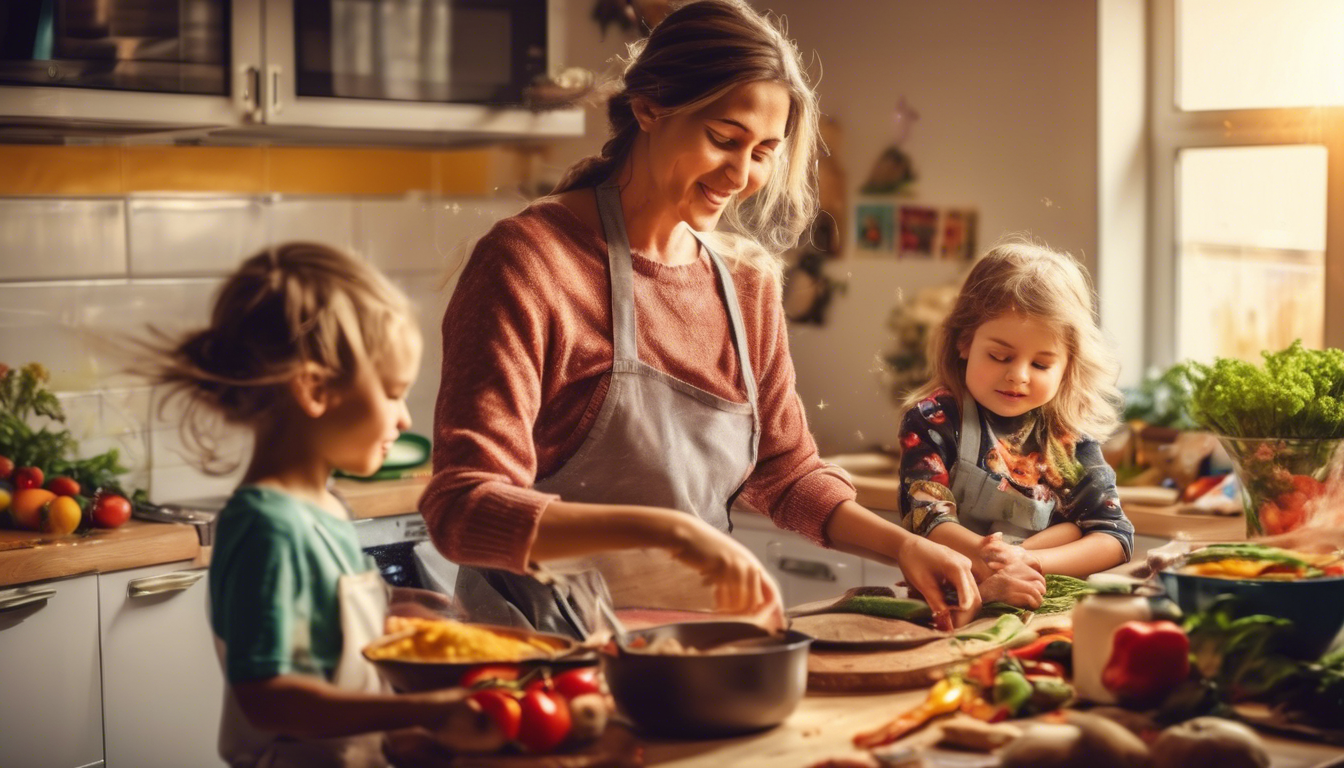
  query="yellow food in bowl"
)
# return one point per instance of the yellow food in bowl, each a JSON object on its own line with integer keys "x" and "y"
{"x": 453, "y": 641}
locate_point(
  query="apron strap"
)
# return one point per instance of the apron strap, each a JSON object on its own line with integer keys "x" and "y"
{"x": 735, "y": 323}
{"x": 623, "y": 318}
{"x": 969, "y": 448}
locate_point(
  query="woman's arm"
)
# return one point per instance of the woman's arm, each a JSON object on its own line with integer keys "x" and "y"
{"x": 926, "y": 565}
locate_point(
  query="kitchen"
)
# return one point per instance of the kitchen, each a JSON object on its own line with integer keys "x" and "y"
{"x": 111, "y": 234}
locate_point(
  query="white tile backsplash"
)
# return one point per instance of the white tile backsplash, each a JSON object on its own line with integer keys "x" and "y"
{"x": 80, "y": 277}
{"x": 44, "y": 239}
{"x": 172, "y": 236}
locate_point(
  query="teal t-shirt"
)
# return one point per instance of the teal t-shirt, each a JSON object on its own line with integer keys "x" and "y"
{"x": 273, "y": 584}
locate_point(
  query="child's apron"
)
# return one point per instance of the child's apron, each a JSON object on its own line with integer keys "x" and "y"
{"x": 657, "y": 441}
{"x": 985, "y": 504}
{"x": 363, "y": 597}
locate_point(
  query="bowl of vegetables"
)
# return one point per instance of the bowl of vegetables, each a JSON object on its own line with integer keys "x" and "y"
{"x": 1304, "y": 588}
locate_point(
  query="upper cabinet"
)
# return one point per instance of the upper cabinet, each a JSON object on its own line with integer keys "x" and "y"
{"x": 393, "y": 71}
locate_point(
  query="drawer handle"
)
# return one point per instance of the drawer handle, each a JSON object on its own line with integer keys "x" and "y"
{"x": 19, "y": 598}
{"x": 165, "y": 582}
{"x": 807, "y": 569}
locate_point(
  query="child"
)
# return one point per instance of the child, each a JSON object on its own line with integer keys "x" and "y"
{"x": 314, "y": 352}
{"x": 1000, "y": 456}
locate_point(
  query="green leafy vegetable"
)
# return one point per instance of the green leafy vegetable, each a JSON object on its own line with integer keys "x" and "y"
{"x": 1162, "y": 399}
{"x": 1239, "y": 653}
{"x": 1296, "y": 394}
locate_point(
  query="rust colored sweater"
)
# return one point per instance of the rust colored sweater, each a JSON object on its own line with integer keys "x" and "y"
{"x": 527, "y": 357}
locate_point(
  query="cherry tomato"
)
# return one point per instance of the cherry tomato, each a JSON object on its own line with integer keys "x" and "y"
{"x": 6, "y": 467}
{"x": 545, "y": 721}
{"x": 485, "y": 672}
{"x": 577, "y": 682}
{"x": 27, "y": 477}
{"x": 63, "y": 486}
{"x": 110, "y": 510}
{"x": 503, "y": 708}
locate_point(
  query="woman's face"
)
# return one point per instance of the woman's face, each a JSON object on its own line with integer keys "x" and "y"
{"x": 701, "y": 159}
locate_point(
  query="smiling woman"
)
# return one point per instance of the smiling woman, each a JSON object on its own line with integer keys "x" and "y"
{"x": 620, "y": 371}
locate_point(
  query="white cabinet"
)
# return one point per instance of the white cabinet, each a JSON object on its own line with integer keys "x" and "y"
{"x": 805, "y": 571}
{"x": 50, "y": 694}
{"x": 162, "y": 685}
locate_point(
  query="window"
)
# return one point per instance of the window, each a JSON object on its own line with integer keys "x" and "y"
{"x": 1246, "y": 233}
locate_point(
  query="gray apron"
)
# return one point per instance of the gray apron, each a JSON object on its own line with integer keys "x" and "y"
{"x": 985, "y": 504}
{"x": 657, "y": 441}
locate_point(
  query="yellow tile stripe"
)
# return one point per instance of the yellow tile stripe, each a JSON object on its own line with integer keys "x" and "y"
{"x": 83, "y": 171}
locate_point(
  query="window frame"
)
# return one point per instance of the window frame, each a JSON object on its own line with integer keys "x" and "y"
{"x": 1172, "y": 129}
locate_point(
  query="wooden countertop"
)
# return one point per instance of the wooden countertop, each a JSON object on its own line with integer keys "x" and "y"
{"x": 382, "y": 498}
{"x": 822, "y": 726}
{"x": 27, "y": 556}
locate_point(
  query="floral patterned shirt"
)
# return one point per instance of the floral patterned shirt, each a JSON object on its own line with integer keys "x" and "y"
{"x": 1020, "y": 455}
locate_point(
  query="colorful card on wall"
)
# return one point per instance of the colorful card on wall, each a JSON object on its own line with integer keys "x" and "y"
{"x": 919, "y": 231}
{"x": 958, "y": 234}
{"x": 875, "y": 231}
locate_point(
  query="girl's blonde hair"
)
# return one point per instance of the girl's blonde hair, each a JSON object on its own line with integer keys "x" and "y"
{"x": 284, "y": 310}
{"x": 697, "y": 54}
{"x": 1019, "y": 275}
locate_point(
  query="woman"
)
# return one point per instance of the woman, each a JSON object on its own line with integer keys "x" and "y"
{"x": 616, "y": 374}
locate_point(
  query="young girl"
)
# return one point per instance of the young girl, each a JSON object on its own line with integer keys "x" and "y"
{"x": 314, "y": 352}
{"x": 1000, "y": 455}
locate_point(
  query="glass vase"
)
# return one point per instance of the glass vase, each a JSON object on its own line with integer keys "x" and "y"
{"x": 1284, "y": 482}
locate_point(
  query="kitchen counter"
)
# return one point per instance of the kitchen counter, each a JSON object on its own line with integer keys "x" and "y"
{"x": 823, "y": 725}
{"x": 382, "y": 498}
{"x": 27, "y": 556}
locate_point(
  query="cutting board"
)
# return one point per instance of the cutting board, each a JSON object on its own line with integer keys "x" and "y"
{"x": 866, "y": 671}
{"x": 833, "y": 630}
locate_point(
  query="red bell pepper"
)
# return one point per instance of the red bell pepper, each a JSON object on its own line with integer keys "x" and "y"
{"x": 1148, "y": 660}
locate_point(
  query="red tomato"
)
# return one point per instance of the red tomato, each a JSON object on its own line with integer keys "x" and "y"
{"x": 545, "y": 721}
{"x": 110, "y": 510}
{"x": 503, "y": 708}
{"x": 27, "y": 477}
{"x": 1308, "y": 485}
{"x": 477, "y": 675}
{"x": 6, "y": 467}
{"x": 63, "y": 486}
{"x": 577, "y": 682}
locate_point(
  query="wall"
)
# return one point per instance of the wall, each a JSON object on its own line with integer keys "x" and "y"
{"x": 99, "y": 245}
{"x": 1006, "y": 91}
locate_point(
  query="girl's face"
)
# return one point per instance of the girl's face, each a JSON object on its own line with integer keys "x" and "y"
{"x": 1014, "y": 364}
{"x": 369, "y": 413}
{"x": 701, "y": 159}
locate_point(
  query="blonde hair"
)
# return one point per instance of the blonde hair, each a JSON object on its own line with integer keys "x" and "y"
{"x": 700, "y": 52}
{"x": 285, "y": 309}
{"x": 1019, "y": 275}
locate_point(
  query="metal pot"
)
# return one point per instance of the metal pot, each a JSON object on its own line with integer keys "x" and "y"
{"x": 712, "y": 694}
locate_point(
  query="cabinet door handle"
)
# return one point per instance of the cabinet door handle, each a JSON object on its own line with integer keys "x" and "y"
{"x": 164, "y": 582}
{"x": 273, "y": 73}
{"x": 247, "y": 92}
{"x": 807, "y": 569}
{"x": 21, "y": 597}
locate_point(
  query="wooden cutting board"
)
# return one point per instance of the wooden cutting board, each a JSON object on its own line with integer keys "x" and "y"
{"x": 865, "y": 671}
{"x": 833, "y": 630}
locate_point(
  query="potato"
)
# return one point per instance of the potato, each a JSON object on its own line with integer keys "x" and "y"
{"x": 1209, "y": 741}
{"x": 1086, "y": 741}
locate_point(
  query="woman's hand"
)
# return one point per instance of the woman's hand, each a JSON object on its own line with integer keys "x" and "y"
{"x": 740, "y": 583}
{"x": 928, "y": 566}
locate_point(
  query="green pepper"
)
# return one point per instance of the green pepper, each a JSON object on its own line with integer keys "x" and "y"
{"x": 1011, "y": 690}
{"x": 1049, "y": 694}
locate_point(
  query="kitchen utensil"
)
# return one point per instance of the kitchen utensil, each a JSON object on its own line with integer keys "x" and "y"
{"x": 703, "y": 695}
{"x": 618, "y": 630}
{"x": 864, "y": 671}
{"x": 410, "y": 675}
{"x": 855, "y": 631}
{"x": 1315, "y": 606}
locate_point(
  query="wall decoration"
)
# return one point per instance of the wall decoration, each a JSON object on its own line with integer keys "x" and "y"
{"x": 919, "y": 231}
{"x": 875, "y": 228}
{"x": 958, "y": 234}
{"x": 912, "y": 322}
{"x": 642, "y": 15}
{"x": 893, "y": 171}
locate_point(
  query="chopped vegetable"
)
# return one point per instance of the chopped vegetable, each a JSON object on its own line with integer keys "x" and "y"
{"x": 944, "y": 697}
{"x": 1004, "y": 629}
{"x": 885, "y": 607}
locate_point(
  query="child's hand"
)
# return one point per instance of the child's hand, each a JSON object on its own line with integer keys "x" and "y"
{"x": 1016, "y": 585}
{"x": 465, "y": 727}
{"x": 999, "y": 554}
